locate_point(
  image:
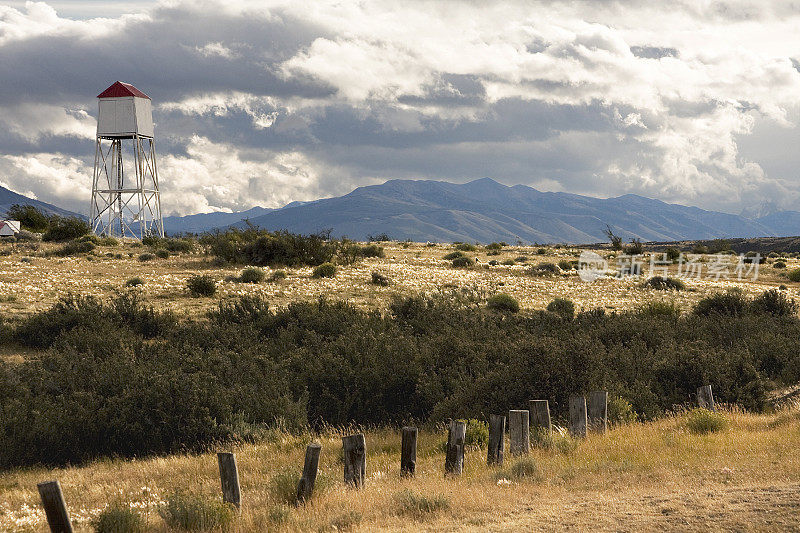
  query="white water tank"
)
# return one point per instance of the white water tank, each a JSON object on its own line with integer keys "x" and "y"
{"x": 124, "y": 111}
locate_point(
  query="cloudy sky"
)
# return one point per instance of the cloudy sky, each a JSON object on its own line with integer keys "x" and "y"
{"x": 263, "y": 103}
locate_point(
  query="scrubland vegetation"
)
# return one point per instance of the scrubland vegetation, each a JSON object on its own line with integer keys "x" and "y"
{"x": 122, "y": 378}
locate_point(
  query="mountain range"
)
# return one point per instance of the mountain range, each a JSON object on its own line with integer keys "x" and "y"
{"x": 9, "y": 198}
{"x": 481, "y": 211}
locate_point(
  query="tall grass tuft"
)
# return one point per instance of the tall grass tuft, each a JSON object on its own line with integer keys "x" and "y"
{"x": 702, "y": 421}
{"x": 119, "y": 518}
{"x": 419, "y": 506}
{"x": 190, "y": 512}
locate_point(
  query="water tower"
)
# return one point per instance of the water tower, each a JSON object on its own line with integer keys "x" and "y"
{"x": 125, "y": 204}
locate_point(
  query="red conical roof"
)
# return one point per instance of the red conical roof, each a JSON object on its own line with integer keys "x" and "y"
{"x": 119, "y": 88}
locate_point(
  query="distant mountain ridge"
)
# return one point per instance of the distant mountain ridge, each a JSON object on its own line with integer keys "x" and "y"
{"x": 9, "y": 198}
{"x": 485, "y": 210}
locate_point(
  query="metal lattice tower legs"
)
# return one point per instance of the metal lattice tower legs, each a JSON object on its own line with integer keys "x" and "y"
{"x": 120, "y": 208}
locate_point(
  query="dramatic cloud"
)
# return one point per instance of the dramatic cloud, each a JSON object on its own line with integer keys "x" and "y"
{"x": 262, "y": 103}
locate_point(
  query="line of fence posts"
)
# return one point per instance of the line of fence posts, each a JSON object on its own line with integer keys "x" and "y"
{"x": 582, "y": 417}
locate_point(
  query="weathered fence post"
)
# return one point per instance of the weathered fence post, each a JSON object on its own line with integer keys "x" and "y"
{"x": 355, "y": 459}
{"x": 229, "y": 476}
{"x": 408, "y": 453}
{"x": 497, "y": 434}
{"x": 577, "y": 416}
{"x": 705, "y": 398}
{"x": 305, "y": 488}
{"x": 597, "y": 410}
{"x": 54, "y": 507}
{"x": 519, "y": 432}
{"x": 540, "y": 415}
{"x": 456, "y": 436}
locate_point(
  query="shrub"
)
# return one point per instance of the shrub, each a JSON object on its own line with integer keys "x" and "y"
{"x": 65, "y": 228}
{"x": 541, "y": 251}
{"x": 779, "y": 264}
{"x": 134, "y": 282}
{"x": 544, "y": 269}
{"x": 460, "y": 262}
{"x": 665, "y": 284}
{"x": 30, "y": 218}
{"x": 509, "y": 262}
{"x": 660, "y": 309}
{"x": 147, "y": 256}
{"x": 151, "y": 240}
{"x": 161, "y": 253}
{"x": 564, "y": 265}
{"x": 526, "y": 468}
{"x": 494, "y": 246}
{"x": 119, "y": 518}
{"x": 521, "y": 259}
{"x": 179, "y": 246}
{"x": 794, "y": 275}
{"x": 325, "y": 270}
{"x": 702, "y": 421}
{"x": 731, "y": 302}
{"x": 699, "y": 249}
{"x": 191, "y": 512}
{"x": 673, "y": 254}
{"x": 635, "y": 247}
{"x": 259, "y": 247}
{"x": 372, "y": 250}
{"x": 419, "y": 506}
{"x": 453, "y": 255}
{"x": 620, "y": 411}
{"x": 503, "y": 302}
{"x": 466, "y": 247}
{"x": 380, "y": 279}
{"x": 380, "y": 237}
{"x": 252, "y": 275}
{"x": 73, "y": 248}
{"x": 201, "y": 285}
{"x": 278, "y": 275}
{"x": 774, "y": 302}
{"x": 477, "y": 433}
{"x": 562, "y": 307}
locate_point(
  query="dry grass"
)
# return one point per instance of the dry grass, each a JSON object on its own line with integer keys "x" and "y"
{"x": 642, "y": 476}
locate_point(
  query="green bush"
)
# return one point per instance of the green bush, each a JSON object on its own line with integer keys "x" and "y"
{"x": 544, "y": 269}
{"x": 325, "y": 270}
{"x": 161, "y": 253}
{"x": 774, "y": 302}
{"x": 73, "y": 248}
{"x": 278, "y": 275}
{"x": 419, "y": 506}
{"x": 477, "y": 433}
{"x": 509, "y": 262}
{"x": 521, "y": 259}
{"x": 380, "y": 279}
{"x": 660, "y": 309}
{"x": 525, "y": 468}
{"x": 134, "y": 282}
{"x": 466, "y": 247}
{"x": 453, "y": 255}
{"x": 372, "y": 250}
{"x": 665, "y": 284}
{"x": 179, "y": 246}
{"x": 503, "y": 302}
{"x": 794, "y": 275}
{"x": 263, "y": 248}
{"x": 562, "y": 307}
{"x": 147, "y": 256}
{"x": 65, "y": 228}
{"x": 779, "y": 264}
{"x": 119, "y": 518}
{"x": 731, "y": 302}
{"x": 30, "y": 218}
{"x": 702, "y": 421}
{"x": 191, "y": 512}
{"x": 620, "y": 411}
{"x": 494, "y": 246}
{"x": 673, "y": 254}
{"x": 565, "y": 265}
{"x": 252, "y": 275}
{"x": 460, "y": 262}
{"x": 201, "y": 285}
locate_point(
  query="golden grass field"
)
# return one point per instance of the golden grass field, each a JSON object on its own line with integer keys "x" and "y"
{"x": 652, "y": 476}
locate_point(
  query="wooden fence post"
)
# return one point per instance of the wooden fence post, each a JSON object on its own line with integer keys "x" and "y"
{"x": 305, "y": 488}
{"x": 577, "y": 416}
{"x": 497, "y": 434}
{"x": 456, "y": 437}
{"x": 54, "y": 507}
{"x": 540, "y": 415}
{"x": 229, "y": 476}
{"x": 705, "y": 398}
{"x": 597, "y": 410}
{"x": 408, "y": 453}
{"x": 519, "y": 432}
{"x": 355, "y": 459}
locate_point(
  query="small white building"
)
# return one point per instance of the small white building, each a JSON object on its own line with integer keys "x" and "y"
{"x": 9, "y": 228}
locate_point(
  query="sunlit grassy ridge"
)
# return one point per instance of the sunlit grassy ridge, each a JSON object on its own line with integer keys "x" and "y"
{"x": 656, "y": 474}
